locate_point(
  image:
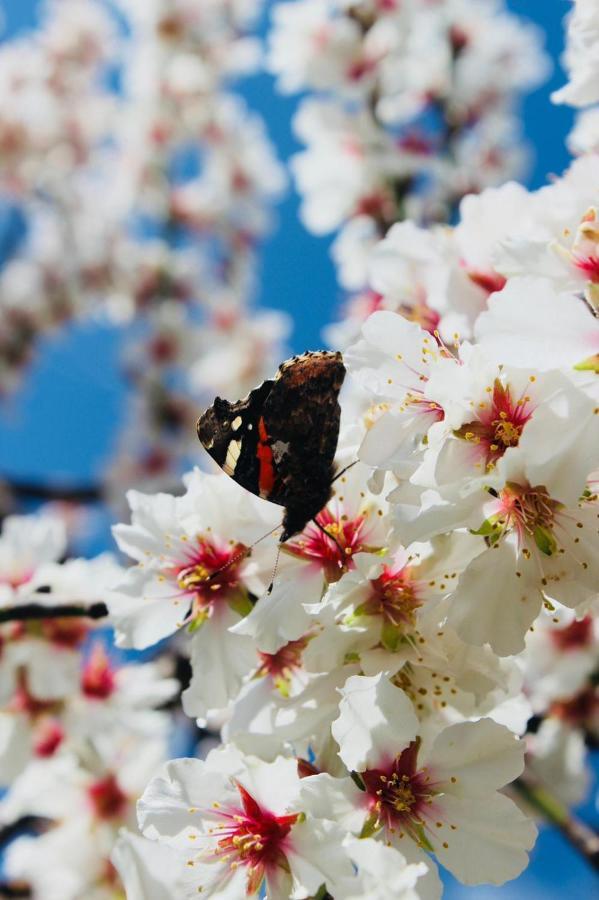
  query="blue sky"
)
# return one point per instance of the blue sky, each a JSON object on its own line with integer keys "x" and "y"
{"x": 63, "y": 420}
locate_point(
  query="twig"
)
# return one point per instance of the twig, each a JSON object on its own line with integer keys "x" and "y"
{"x": 32, "y": 490}
{"x": 31, "y": 611}
{"x": 15, "y": 889}
{"x": 24, "y": 825}
{"x": 579, "y": 835}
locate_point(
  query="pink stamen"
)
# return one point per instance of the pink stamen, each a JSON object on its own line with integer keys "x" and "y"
{"x": 254, "y": 837}
{"x": 499, "y": 424}
{"x": 282, "y": 664}
{"x": 107, "y": 799}
{"x": 400, "y": 795}
{"x": 589, "y": 265}
{"x": 211, "y": 572}
{"x": 333, "y": 550}
{"x": 98, "y": 678}
{"x": 575, "y": 636}
{"x": 48, "y": 738}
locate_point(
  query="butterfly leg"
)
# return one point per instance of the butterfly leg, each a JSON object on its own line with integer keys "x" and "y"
{"x": 344, "y": 470}
{"x": 331, "y": 537}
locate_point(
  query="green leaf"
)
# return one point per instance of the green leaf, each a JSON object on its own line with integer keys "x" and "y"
{"x": 282, "y": 686}
{"x": 545, "y": 540}
{"x": 588, "y": 365}
{"x": 357, "y": 780}
{"x": 422, "y": 839}
{"x": 371, "y": 826}
{"x": 198, "y": 621}
{"x": 488, "y": 527}
{"x": 240, "y": 603}
{"x": 390, "y": 637}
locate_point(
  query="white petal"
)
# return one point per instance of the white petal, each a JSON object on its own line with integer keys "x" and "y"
{"x": 481, "y": 755}
{"x": 492, "y": 604}
{"x": 490, "y": 840}
{"x": 376, "y": 720}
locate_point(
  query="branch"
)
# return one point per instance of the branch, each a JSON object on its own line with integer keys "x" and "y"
{"x": 10, "y": 889}
{"x": 24, "y": 825}
{"x": 578, "y": 834}
{"x": 31, "y": 490}
{"x": 31, "y": 611}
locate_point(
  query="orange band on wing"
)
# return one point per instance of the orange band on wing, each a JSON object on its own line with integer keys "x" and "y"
{"x": 266, "y": 478}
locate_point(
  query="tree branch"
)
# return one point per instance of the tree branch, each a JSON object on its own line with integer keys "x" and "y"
{"x": 24, "y": 825}
{"x": 578, "y": 834}
{"x": 32, "y": 611}
{"x": 32, "y": 490}
{"x": 12, "y": 889}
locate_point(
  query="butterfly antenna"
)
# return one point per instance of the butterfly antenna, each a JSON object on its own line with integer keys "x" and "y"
{"x": 590, "y": 306}
{"x": 344, "y": 470}
{"x": 243, "y": 554}
{"x": 274, "y": 571}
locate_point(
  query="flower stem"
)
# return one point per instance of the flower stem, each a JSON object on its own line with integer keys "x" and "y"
{"x": 579, "y": 835}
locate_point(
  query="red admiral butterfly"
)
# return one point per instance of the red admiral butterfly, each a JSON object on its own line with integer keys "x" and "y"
{"x": 280, "y": 442}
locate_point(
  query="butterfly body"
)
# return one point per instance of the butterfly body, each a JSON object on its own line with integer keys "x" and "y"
{"x": 280, "y": 441}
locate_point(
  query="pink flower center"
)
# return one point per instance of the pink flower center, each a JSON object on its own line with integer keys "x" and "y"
{"x": 588, "y": 265}
{"x": 421, "y": 313}
{"x": 332, "y": 545}
{"x": 211, "y": 572}
{"x": 425, "y": 407}
{"x": 360, "y": 68}
{"x": 16, "y": 579}
{"x": 400, "y": 795}
{"x": 98, "y": 677}
{"x": 394, "y": 597}
{"x": 107, "y": 799}
{"x": 254, "y": 837}
{"x": 48, "y": 737}
{"x": 531, "y": 512}
{"x": 24, "y": 702}
{"x": 378, "y": 205}
{"x": 487, "y": 279}
{"x": 280, "y": 665}
{"x": 499, "y": 424}
{"x": 66, "y": 633}
{"x": 575, "y": 636}
{"x": 579, "y": 711}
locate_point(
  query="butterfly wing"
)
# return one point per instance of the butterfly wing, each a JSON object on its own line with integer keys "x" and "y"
{"x": 298, "y": 436}
{"x": 280, "y": 441}
{"x": 229, "y": 432}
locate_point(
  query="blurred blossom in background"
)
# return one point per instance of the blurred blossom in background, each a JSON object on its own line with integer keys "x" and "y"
{"x": 275, "y": 264}
{"x": 296, "y": 274}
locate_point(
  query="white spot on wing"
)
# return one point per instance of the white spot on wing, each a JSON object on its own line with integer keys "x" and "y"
{"x": 236, "y": 423}
{"x": 279, "y": 449}
{"x": 233, "y": 451}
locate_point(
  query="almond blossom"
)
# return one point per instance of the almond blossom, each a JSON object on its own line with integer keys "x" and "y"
{"x": 346, "y": 709}
{"x": 428, "y": 793}
{"x": 239, "y": 824}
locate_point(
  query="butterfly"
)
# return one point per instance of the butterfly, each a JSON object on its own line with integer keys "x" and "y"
{"x": 280, "y": 441}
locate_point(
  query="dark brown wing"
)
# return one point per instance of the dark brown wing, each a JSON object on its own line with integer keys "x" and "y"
{"x": 280, "y": 442}
{"x": 301, "y": 423}
{"x": 229, "y": 432}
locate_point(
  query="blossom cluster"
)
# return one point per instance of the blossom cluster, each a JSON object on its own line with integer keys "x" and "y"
{"x": 410, "y": 106}
{"x": 377, "y": 694}
{"x": 80, "y": 731}
{"x": 581, "y": 59}
{"x": 140, "y": 186}
{"x": 368, "y": 699}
